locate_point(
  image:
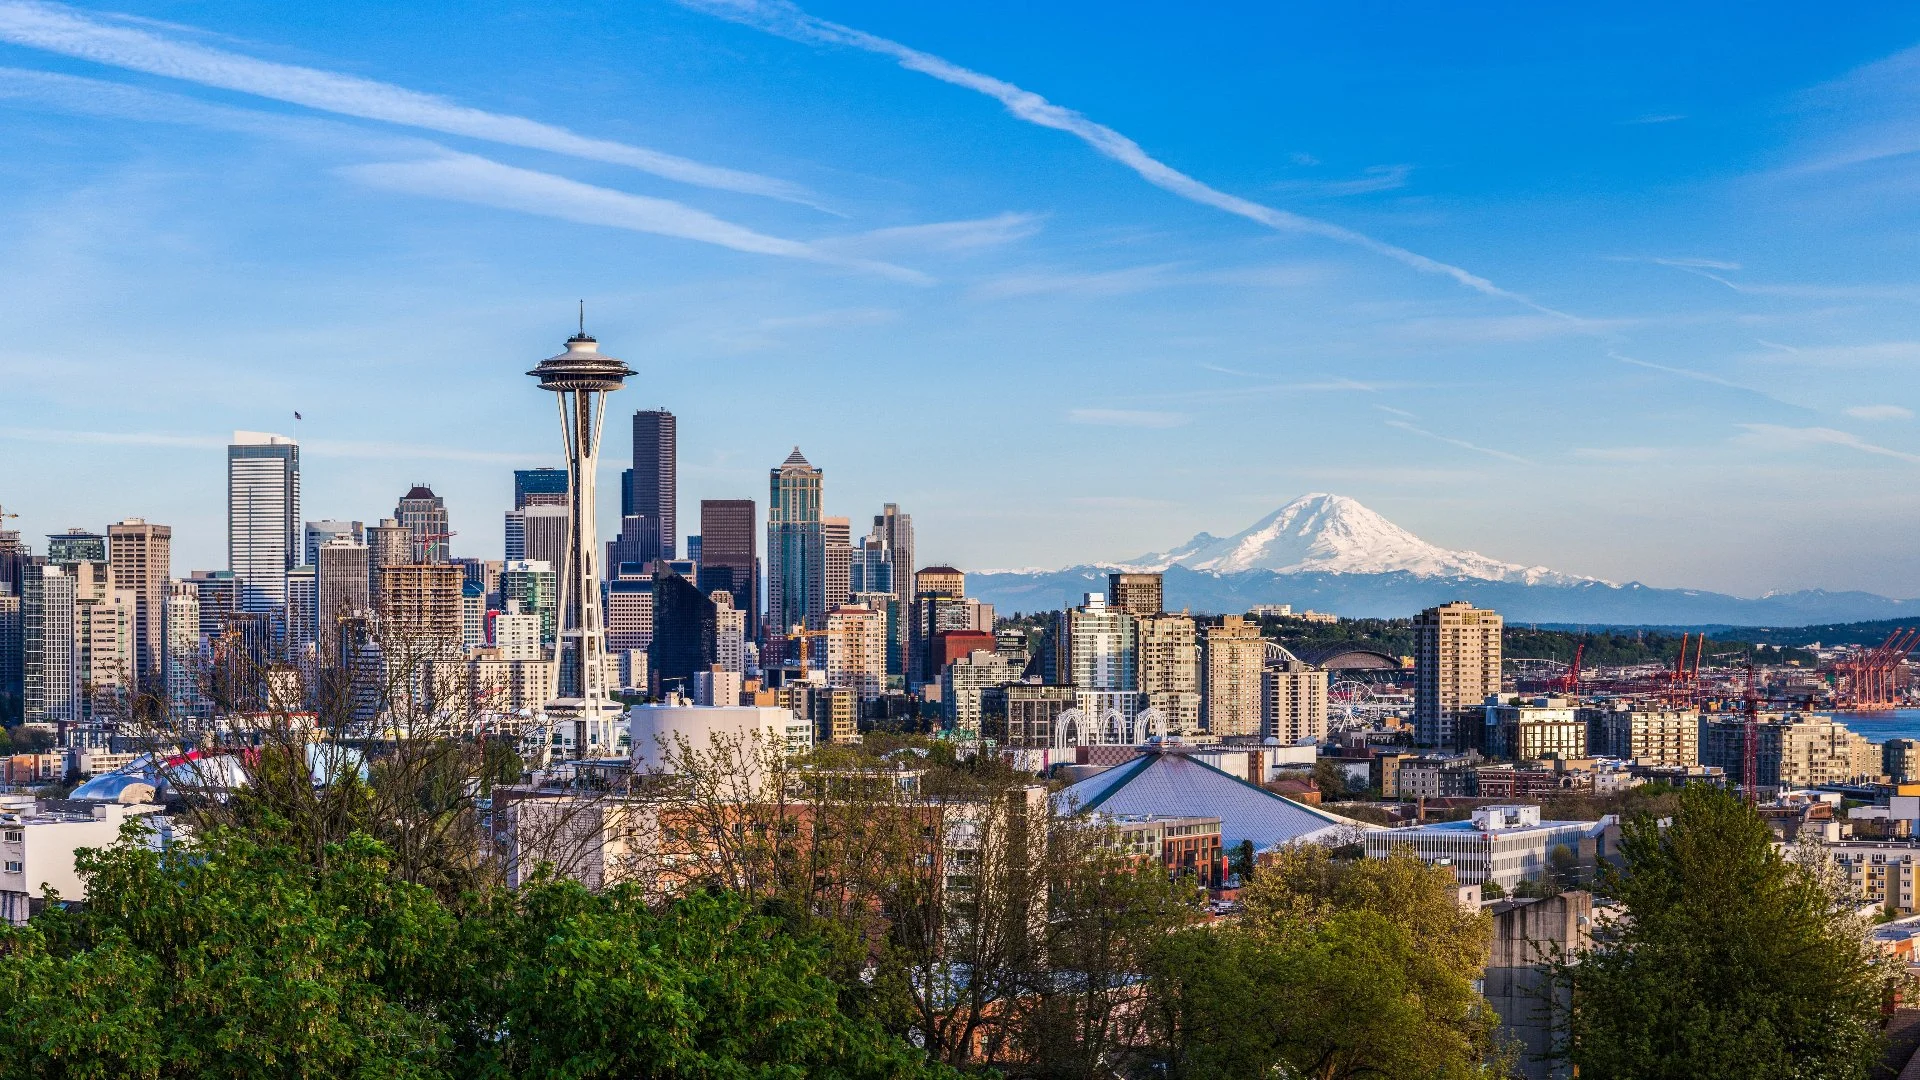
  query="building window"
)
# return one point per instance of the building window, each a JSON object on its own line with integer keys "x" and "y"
{"x": 16, "y": 868}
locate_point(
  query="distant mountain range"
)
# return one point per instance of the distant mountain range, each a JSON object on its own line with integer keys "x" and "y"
{"x": 1330, "y": 553}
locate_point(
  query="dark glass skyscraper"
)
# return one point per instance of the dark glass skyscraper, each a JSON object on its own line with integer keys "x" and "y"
{"x": 729, "y": 545}
{"x": 539, "y": 487}
{"x": 652, "y": 489}
{"x": 683, "y": 625}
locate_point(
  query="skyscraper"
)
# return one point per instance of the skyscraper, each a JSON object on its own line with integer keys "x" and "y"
{"x": 263, "y": 516}
{"x": 343, "y": 575}
{"x": 1456, "y": 664}
{"x": 388, "y": 544}
{"x": 421, "y": 610}
{"x": 1136, "y": 594}
{"x": 584, "y": 713}
{"x": 730, "y": 543}
{"x": 652, "y": 488}
{"x": 639, "y": 535}
{"x": 140, "y": 560}
{"x": 303, "y": 604}
{"x": 534, "y": 588}
{"x": 896, "y": 529}
{"x": 796, "y": 551}
{"x": 684, "y": 621}
{"x": 1233, "y": 656}
{"x": 425, "y": 516}
{"x": 181, "y": 657}
{"x": 319, "y": 532}
{"x": 539, "y": 487}
{"x": 48, "y": 617}
{"x": 837, "y": 540}
{"x": 1170, "y": 670}
{"x": 546, "y": 534}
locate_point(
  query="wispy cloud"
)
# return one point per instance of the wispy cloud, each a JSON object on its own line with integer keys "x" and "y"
{"x": 1880, "y": 412}
{"x": 1396, "y": 412}
{"x": 974, "y": 234}
{"x": 379, "y": 451}
{"x": 788, "y": 20}
{"x": 1866, "y": 114}
{"x": 1867, "y": 354}
{"x": 1121, "y": 502}
{"x": 1700, "y": 376}
{"x": 1618, "y": 453}
{"x": 1137, "y": 418}
{"x": 466, "y": 178}
{"x": 1374, "y": 178}
{"x": 1657, "y": 118}
{"x": 1778, "y": 437}
{"x": 68, "y": 32}
{"x": 1461, "y": 443}
{"x": 1133, "y": 279}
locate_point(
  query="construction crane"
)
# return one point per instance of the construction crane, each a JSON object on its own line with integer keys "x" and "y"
{"x": 4, "y": 515}
{"x": 804, "y": 636}
{"x": 424, "y": 541}
{"x": 1570, "y": 682}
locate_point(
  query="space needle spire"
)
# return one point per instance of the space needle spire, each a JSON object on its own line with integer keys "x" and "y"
{"x": 582, "y": 710}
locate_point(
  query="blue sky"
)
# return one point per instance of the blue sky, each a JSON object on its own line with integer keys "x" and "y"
{"x": 1628, "y": 291}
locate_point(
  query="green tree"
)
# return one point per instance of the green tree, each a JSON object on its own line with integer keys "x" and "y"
{"x": 1730, "y": 960}
{"x": 1337, "y": 970}
{"x": 1331, "y": 778}
{"x": 243, "y": 958}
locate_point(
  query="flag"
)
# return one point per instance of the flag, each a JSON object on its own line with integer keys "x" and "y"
{"x": 296, "y": 416}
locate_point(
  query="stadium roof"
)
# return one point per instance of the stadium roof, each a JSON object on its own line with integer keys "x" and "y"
{"x": 1179, "y": 785}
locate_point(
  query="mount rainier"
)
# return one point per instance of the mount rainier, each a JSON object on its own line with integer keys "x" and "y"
{"x": 1330, "y": 553}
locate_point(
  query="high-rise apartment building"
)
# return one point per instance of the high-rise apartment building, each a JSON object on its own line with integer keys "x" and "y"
{"x": 1232, "y": 657}
{"x": 1293, "y": 702}
{"x": 1103, "y": 646}
{"x": 181, "y": 657}
{"x": 342, "y": 572}
{"x": 837, "y": 544}
{"x": 535, "y": 586}
{"x": 1170, "y": 670}
{"x": 425, "y": 516}
{"x": 473, "y": 614}
{"x": 796, "y": 551}
{"x": 388, "y": 544}
{"x": 857, "y": 651}
{"x": 539, "y": 487}
{"x": 263, "y": 516}
{"x": 11, "y": 645}
{"x": 140, "y": 560}
{"x": 319, "y": 532}
{"x": 1456, "y": 660}
{"x": 49, "y": 619}
{"x": 729, "y": 542}
{"x": 729, "y": 633}
{"x": 1136, "y": 594}
{"x": 652, "y": 488}
{"x": 421, "y": 611}
{"x": 303, "y": 607}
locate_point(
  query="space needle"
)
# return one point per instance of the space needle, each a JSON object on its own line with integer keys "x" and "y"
{"x": 581, "y": 378}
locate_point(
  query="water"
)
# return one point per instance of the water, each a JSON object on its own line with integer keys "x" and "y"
{"x": 1881, "y": 726}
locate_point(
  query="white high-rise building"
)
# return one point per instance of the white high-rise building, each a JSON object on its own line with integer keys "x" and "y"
{"x": 263, "y": 516}
{"x": 729, "y": 634}
{"x": 303, "y": 605}
{"x": 49, "y": 618}
{"x": 182, "y": 651}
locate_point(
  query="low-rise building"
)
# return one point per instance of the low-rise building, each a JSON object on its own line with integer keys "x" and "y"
{"x": 1540, "y": 728}
{"x": 1502, "y": 844}
{"x": 37, "y": 846}
{"x": 1645, "y": 736}
{"x": 1184, "y": 845}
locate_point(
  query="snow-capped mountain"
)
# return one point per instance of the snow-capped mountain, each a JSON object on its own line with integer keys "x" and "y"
{"x": 1330, "y": 553}
{"x": 1333, "y": 534}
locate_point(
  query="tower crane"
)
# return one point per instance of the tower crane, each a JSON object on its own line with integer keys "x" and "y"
{"x": 805, "y": 637}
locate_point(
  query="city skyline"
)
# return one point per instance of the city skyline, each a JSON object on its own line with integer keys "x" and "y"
{"x": 1652, "y": 331}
